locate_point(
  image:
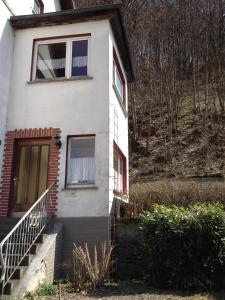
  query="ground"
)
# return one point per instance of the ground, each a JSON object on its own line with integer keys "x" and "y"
{"x": 131, "y": 291}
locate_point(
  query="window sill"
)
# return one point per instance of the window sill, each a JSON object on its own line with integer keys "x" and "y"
{"x": 60, "y": 79}
{"x": 120, "y": 101}
{"x": 81, "y": 187}
{"x": 120, "y": 194}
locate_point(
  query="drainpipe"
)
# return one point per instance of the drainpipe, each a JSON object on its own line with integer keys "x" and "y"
{"x": 8, "y": 6}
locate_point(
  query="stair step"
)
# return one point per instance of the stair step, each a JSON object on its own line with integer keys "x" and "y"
{"x": 5, "y": 227}
{"x": 18, "y": 273}
{"x": 14, "y": 246}
{"x": 27, "y": 260}
{"x": 9, "y": 221}
{"x": 9, "y": 286}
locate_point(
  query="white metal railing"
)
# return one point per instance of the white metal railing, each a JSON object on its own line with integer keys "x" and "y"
{"x": 18, "y": 242}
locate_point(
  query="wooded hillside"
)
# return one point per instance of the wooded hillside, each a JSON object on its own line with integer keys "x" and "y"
{"x": 177, "y": 103}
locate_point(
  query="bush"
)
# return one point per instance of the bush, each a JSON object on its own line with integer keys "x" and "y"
{"x": 184, "y": 248}
{"x": 176, "y": 192}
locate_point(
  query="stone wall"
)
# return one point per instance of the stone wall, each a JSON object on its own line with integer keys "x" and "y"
{"x": 127, "y": 254}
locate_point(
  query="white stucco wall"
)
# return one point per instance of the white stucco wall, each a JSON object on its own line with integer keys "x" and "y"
{"x": 19, "y": 7}
{"x": 121, "y": 136}
{"x": 24, "y": 7}
{"x": 6, "y": 50}
{"x": 76, "y": 107}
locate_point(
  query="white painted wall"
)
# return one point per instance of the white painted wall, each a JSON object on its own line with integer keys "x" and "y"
{"x": 76, "y": 107}
{"x": 122, "y": 134}
{"x": 24, "y": 7}
{"x": 6, "y": 52}
{"x": 19, "y": 7}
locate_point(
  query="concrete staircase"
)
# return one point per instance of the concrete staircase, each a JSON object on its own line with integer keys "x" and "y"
{"x": 6, "y": 225}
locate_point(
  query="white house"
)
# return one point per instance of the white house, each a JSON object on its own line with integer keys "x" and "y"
{"x": 64, "y": 114}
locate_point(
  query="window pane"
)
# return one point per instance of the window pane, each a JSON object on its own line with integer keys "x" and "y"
{"x": 118, "y": 172}
{"x": 32, "y": 179}
{"x": 79, "y": 58}
{"x": 51, "y": 61}
{"x": 118, "y": 83}
{"x": 81, "y": 168}
{"x": 36, "y": 7}
{"x": 43, "y": 175}
{"x": 22, "y": 176}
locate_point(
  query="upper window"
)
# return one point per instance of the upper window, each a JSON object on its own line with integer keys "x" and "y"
{"x": 119, "y": 82}
{"x": 38, "y": 7}
{"x": 60, "y": 59}
{"x": 81, "y": 161}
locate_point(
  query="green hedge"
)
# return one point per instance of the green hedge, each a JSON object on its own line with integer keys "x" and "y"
{"x": 184, "y": 248}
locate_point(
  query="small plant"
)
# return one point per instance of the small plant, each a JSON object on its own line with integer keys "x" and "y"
{"x": 46, "y": 289}
{"x": 29, "y": 296}
{"x": 93, "y": 271}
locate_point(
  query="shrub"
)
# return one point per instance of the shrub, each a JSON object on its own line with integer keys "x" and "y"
{"x": 176, "y": 192}
{"x": 94, "y": 271}
{"x": 183, "y": 248}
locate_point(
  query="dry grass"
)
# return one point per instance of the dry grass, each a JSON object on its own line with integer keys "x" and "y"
{"x": 93, "y": 271}
{"x": 176, "y": 192}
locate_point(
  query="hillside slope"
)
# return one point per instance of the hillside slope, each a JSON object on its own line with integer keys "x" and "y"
{"x": 196, "y": 149}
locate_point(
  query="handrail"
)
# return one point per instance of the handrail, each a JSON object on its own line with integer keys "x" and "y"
{"x": 15, "y": 246}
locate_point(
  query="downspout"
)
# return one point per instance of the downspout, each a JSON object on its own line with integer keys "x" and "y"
{"x": 8, "y": 6}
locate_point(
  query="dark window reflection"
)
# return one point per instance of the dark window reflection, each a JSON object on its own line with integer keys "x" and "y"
{"x": 51, "y": 60}
{"x": 79, "y": 58}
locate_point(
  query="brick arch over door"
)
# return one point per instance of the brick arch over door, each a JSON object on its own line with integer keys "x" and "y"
{"x": 7, "y": 170}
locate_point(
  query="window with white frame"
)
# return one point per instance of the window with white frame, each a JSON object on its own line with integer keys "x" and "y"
{"x": 119, "y": 83}
{"x": 119, "y": 165}
{"x": 38, "y": 7}
{"x": 80, "y": 161}
{"x": 61, "y": 58}
{"x": 118, "y": 172}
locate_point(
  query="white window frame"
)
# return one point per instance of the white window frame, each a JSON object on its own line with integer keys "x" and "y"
{"x": 117, "y": 73}
{"x": 38, "y": 5}
{"x": 68, "y": 64}
{"x": 120, "y": 168}
{"x": 74, "y": 185}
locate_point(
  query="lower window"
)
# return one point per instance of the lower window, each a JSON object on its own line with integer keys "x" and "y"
{"x": 80, "y": 161}
{"x": 120, "y": 170}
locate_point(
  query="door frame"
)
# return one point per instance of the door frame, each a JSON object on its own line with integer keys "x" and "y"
{"x": 19, "y": 143}
{"x": 8, "y": 165}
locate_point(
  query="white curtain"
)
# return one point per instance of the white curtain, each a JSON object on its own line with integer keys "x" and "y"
{"x": 82, "y": 169}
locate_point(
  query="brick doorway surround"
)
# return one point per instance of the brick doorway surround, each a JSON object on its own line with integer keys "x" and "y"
{"x": 7, "y": 169}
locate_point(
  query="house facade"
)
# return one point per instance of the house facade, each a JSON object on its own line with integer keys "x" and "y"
{"x": 64, "y": 115}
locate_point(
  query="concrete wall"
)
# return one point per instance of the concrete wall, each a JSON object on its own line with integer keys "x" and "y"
{"x": 75, "y": 106}
{"x": 129, "y": 264}
{"x": 92, "y": 231}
